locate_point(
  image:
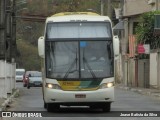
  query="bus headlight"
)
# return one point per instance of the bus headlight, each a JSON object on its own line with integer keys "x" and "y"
{"x": 106, "y": 85}
{"x": 53, "y": 86}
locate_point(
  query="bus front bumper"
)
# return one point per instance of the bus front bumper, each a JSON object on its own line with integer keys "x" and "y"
{"x": 60, "y": 96}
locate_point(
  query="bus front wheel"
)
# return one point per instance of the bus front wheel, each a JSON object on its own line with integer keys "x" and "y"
{"x": 52, "y": 107}
{"x": 106, "y": 107}
{"x": 45, "y": 105}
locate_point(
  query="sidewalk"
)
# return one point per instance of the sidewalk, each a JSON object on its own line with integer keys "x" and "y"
{"x": 5, "y": 102}
{"x": 143, "y": 91}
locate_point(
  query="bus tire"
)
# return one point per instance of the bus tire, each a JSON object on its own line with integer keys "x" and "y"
{"x": 49, "y": 107}
{"x": 52, "y": 107}
{"x": 28, "y": 86}
{"x": 45, "y": 105}
{"x": 107, "y": 107}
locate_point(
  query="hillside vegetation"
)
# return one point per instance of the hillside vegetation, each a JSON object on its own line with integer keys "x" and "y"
{"x": 28, "y": 55}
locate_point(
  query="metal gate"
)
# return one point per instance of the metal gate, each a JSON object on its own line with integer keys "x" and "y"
{"x": 143, "y": 73}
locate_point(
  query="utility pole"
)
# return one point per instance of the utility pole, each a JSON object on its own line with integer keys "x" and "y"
{"x": 2, "y": 29}
{"x": 109, "y": 8}
{"x": 157, "y": 4}
{"x": 13, "y": 43}
{"x": 102, "y": 7}
{"x": 8, "y": 27}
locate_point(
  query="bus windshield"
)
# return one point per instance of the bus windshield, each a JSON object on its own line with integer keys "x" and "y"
{"x": 79, "y": 59}
{"x": 19, "y": 72}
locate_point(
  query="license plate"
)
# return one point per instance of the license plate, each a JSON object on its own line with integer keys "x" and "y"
{"x": 80, "y": 96}
{"x": 37, "y": 83}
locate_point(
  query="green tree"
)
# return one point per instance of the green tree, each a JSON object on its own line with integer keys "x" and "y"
{"x": 145, "y": 30}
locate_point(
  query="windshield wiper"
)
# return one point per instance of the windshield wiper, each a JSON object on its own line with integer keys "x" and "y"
{"x": 89, "y": 67}
{"x": 71, "y": 66}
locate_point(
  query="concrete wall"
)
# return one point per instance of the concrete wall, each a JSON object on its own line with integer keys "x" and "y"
{"x": 153, "y": 70}
{"x": 131, "y": 72}
{"x": 118, "y": 70}
{"x": 134, "y": 7}
{"x": 7, "y": 78}
{"x": 155, "y": 6}
{"x": 158, "y": 70}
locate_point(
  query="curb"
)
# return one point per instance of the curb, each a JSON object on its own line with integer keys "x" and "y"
{"x": 140, "y": 91}
{"x": 8, "y": 101}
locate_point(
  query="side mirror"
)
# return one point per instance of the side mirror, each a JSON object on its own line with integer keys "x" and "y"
{"x": 116, "y": 45}
{"x": 41, "y": 47}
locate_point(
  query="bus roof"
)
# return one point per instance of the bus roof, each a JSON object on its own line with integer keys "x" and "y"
{"x": 75, "y": 13}
{"x": 77, "y": 16}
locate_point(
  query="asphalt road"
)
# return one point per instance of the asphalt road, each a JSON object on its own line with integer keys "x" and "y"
{"x": 31, "y": 100}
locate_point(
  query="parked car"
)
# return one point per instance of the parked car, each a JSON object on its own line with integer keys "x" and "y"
{"x": 19, "y": 75}
{"x": 34, "y": 79}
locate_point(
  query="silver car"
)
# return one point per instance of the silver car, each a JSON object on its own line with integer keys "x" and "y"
{"x": 34, "y": 79}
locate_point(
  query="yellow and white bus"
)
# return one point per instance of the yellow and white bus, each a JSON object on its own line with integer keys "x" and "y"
{"x": 78, "y": 51}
